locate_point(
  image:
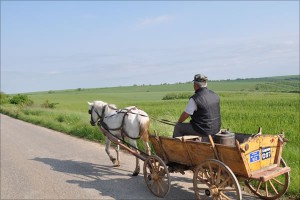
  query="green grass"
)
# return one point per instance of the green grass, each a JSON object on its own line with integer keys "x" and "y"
{"x": 245, "y": 106}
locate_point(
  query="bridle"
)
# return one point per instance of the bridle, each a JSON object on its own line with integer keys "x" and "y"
{"x": 100, "y": 117}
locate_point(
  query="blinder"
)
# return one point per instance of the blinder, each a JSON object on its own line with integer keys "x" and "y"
{"x": 99, "y": 116}
{"x": 90, "y": 112}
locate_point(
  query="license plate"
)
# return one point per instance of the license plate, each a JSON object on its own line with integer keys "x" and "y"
{"x": 255, "y": 156}
{"x": 265, "y": 153}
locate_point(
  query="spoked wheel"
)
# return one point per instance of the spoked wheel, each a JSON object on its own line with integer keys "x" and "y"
{"x": 273, "y": 188}
{"x": 214, "y": 180}
{"x": 157, "y": 176}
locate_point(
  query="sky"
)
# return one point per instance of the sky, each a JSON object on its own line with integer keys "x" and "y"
{"x": 57, "y": 45}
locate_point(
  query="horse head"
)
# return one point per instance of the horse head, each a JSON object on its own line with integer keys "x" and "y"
{"x": 96, "y": 110}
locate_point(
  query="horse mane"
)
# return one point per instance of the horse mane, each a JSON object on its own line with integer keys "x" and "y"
{"x": 113, "y": 106}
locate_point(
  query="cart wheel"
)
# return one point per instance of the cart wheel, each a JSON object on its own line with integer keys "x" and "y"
{"x": 214, "y": 180}
{"x": 273, "y": 188}
{"x": 157, "y": 176}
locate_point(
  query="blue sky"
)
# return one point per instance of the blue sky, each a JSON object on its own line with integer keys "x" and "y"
{"x": 54, "y": 45}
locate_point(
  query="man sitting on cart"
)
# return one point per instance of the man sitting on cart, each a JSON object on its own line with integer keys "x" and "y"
{"x": 204, "y": 110}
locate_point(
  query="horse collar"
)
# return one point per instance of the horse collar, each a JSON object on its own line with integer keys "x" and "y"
{"x": 102, "y": 114}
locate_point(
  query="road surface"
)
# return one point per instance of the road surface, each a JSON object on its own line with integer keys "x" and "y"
{"x": 38, "y": 163}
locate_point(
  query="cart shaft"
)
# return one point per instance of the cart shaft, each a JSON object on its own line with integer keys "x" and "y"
{"x": 115, "y": 140}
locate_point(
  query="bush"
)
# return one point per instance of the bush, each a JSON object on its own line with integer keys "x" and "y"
{"x": 3, "y": 98}
{"x": 47, "y": 104}
{"x": 21, "y": 99}
{"x": 170, "y": 96}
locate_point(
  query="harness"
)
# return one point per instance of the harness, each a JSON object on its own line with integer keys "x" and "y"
{"x": 121, "y": 128}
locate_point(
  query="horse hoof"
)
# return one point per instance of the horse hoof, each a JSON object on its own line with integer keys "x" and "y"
{"x": 135, "y": 173}
{"x": 117, "y": 164}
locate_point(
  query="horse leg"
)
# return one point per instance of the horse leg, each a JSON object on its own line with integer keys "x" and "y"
{"x": 137, "y": 167}
{"x": 137, "y": 161}
{"x": 107, "y": 149}
{"x": 118, "y": 157}
{"x": 147, "y": 148}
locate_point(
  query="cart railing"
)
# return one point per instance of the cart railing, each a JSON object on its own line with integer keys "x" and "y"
{"x": 255, "y": 154}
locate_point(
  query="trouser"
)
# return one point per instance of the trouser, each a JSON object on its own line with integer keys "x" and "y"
{"x": 182, "y": 129}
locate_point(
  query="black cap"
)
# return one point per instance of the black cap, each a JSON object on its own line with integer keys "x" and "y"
{"x": 200, "y": 78}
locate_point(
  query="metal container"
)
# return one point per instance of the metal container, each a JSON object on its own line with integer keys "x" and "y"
{"x": 225, "y": 138}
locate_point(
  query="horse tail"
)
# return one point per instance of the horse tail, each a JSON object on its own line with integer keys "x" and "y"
{"x": 144, "y": 128}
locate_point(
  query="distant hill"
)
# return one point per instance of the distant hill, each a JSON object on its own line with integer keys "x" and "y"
{"x": 288, "y": 84}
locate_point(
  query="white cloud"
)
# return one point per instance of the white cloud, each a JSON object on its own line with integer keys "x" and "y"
{"x": 53, "y": 73}
{"x": 88, "y": 16}
{"x": 146, "y": 22}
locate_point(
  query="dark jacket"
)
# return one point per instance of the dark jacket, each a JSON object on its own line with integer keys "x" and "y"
{"x": 207, "y": 118}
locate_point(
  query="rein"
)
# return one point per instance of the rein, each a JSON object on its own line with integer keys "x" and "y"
{"x": 126, "y": 112}
{"x": 163, "y": 121}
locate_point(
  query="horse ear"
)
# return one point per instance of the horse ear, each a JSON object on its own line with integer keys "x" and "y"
{"x": 90, "y": 103}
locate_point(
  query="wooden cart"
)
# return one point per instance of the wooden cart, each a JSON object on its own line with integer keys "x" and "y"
{"x": 218, "y": 168}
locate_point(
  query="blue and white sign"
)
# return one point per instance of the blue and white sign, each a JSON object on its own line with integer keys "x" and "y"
{"x": 255, "y": 156}
{"x": 266, "y": 153}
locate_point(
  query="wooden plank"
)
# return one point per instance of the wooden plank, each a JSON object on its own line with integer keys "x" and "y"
{"x": 233, "y": 159}
{"x": 213, "y": 147}
{"x": 186, "y": 146}
{"x": 189, "y": 137}
{"x": 278, "y": 151}
{"x": 175, "y": 151}
{"x": 156, "y": 145}
{"x": 199, "y": 151}
{"x": 268, "y": 174}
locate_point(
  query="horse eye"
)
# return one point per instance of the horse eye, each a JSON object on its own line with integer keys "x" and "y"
{"x": 90, "y": 112}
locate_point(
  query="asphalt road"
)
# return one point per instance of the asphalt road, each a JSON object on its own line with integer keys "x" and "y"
{"x": 38, "y": 163}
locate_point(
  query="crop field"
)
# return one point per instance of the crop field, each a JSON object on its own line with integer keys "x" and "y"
{"x": 246, "y": 105}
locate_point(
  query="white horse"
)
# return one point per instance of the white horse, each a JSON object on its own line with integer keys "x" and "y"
{"x": 130, "y": 122}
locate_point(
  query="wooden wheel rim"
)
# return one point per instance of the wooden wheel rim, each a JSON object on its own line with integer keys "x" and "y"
{"x": 214, "y": 180}
{"x": 273, "y": 188}
{"x": 157, "y": 176}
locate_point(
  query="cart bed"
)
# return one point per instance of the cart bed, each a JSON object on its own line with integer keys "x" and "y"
{"x": 256, "y": 157}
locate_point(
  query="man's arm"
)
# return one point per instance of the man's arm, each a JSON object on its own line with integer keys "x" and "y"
{"x": 189, "y": 110}
{"x": 183, "y": 117}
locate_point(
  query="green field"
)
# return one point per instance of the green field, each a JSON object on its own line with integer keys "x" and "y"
{"x": 271, "y": 103}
